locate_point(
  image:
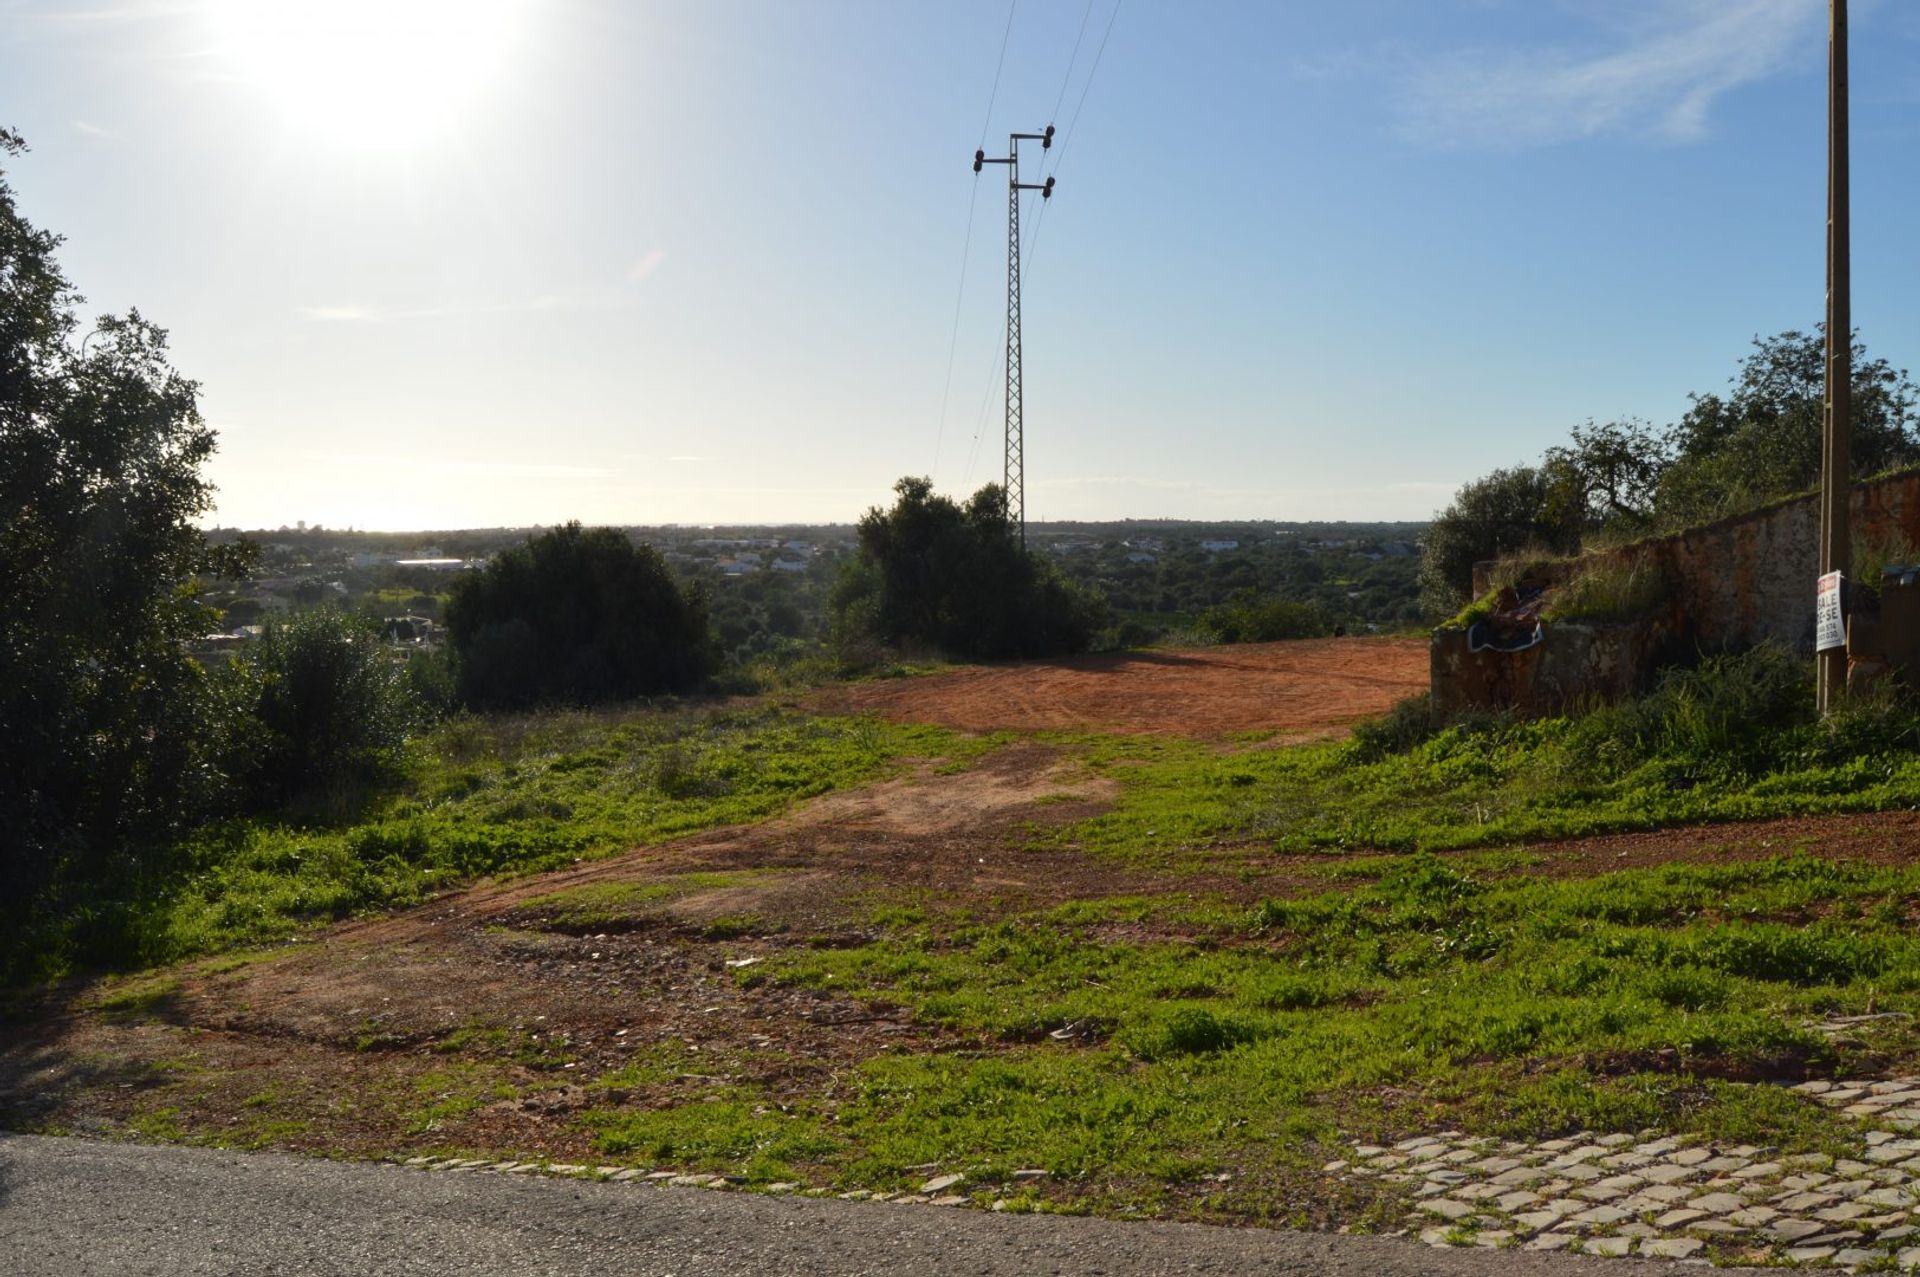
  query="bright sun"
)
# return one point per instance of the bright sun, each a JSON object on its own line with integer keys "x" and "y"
{"x": 368, "y": 73}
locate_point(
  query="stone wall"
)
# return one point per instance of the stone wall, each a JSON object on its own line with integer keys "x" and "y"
{"x": 1732, "y": 584}
{"x": 1576, "y": 663}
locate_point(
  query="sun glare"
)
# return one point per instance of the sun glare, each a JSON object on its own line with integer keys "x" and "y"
{"x": 375, "y": 74}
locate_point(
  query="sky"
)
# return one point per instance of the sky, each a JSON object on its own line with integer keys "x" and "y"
{"x": 453, "y": 263}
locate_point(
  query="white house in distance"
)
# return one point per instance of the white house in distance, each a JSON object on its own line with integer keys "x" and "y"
{"x": 1215, "y": 547}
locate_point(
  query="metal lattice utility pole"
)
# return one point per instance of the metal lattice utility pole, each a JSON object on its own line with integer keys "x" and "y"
{"x": 1014, "y": 475}
{"x": 1836, "y": 480}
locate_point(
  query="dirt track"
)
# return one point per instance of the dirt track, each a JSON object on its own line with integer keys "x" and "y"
{"x": 1315, "y": 687}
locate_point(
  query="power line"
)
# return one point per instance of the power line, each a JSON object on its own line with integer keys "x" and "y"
{"x": 966, "y": 248}
{"x": 1033, "y": 244}
{"x": 1015, "y": 456}
{"x": 994, "y": 96}
{"x": 953, "y": 339}
{"x": 1067, "y": 79}
{"x": 1067, "y": 137}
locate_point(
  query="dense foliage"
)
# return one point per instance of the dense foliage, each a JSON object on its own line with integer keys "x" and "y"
{"x": 957, "y": 578}
{"x": 576, "y": 616}
{"x": 1726, "y": 455}
{"x": 105, "y": 723}
{"x": 1505, "y": 512}
{"x": 1248, "y": 618}
{"x": 320, "y": 706}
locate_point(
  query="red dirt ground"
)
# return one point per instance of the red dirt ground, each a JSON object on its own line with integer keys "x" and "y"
{"x": 346, "y": 1042}
{"x": 1310, "y": 688}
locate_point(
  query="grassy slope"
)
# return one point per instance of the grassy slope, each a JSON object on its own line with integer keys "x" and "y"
{"x": 500, "y": 795}
{"x": 1200, "y": 1038}
{"x": 1248, "y": 1042}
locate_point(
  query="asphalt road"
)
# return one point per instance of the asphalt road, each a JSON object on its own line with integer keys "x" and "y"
{"x": 75, "y": 1206}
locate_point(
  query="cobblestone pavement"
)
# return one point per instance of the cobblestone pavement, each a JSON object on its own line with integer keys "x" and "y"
{"x": 1664, "y": 1196}
{"x": 1650, "y": 1195}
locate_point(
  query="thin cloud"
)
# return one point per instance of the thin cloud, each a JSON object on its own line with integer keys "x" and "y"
{"x": 95, "y": 131}
{"x": 1659, "y": 82}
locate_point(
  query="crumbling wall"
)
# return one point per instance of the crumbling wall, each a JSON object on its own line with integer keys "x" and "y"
{"x": 1741, "y": 581}
{"x": 1577, "y": 662}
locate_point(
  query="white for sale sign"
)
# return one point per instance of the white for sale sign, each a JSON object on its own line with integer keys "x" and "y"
{"x": 1829, "y": 623}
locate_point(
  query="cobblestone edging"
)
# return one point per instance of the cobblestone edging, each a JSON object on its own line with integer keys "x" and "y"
{"x": 1664, "y": 1196}
{"x": 938, "y": 1191}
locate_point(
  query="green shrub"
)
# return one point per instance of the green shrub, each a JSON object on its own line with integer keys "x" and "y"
{"x": 324, "y": 707}
{"x": 956, "y": 578}
{"x": 1410, "y": 722}
{"x": 1729, "y": 716}
{"x": 1249, "y": 619}
{"x": 1187, "y": 1031}
{"x": 576, "y": 616}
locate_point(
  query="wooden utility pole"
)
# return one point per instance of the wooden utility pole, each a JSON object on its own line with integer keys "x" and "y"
{"x": 1836, "y": 445}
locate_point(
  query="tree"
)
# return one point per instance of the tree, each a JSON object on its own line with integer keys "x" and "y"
{"x": 1608, "y": 477}
{"x": 104, "y": 720}
{"x": 321, "y": 706}
{"x": 1761, "y": 440}
{"x": 1506, "y": 512}
{"x": 957, "y": 578}
{"x": 576, "y": 616}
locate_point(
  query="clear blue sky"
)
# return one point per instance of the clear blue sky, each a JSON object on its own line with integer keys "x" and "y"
{"x": 514, "y": 261}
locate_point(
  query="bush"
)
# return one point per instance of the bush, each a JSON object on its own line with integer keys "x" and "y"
{"x": 1507, "y": 512}
{"x": 1737, "y": 714}
{"x": 956, "y": 578}
{"x": 1410, "y": 722}
{"x": 324, "y": 708}
{"x": 1249, "y": 619}
{"x": 576, "y": 616}
{"x": 1734, "y": 714}
{"x": 1187, "y": 1031}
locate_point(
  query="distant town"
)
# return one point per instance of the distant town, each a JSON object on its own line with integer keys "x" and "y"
{"x": 769, "y": 583}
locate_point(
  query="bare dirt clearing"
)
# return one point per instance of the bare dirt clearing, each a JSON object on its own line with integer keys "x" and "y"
{"x": 495, "y": 1018}
{"x": 1307, "y": 689}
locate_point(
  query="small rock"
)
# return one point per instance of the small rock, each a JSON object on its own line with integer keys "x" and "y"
{"x": 940, "y": 1183}
{"x": 1790, "y": 1230}
{"x": 1445, "y": 1207}
{"x": 1718, "y": 1203}
{"x": 1601, "y": 1216}
{"x": 1676, "y": 1218}
{"x": 1810, "y": 1254}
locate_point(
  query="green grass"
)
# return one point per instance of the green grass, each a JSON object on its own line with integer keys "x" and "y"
{"x": 507, "y": 795}
{"x": 1733, "y": 740}
{"x": 1257, "y": 1041}
{"x": 1429, "y": 995}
